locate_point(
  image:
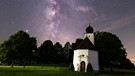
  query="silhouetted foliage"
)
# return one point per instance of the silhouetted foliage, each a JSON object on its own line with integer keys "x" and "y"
{"x": 89, "y": 68}
{"x": 126, "y": 63}
{"x": 66, "y": 50}
{"x": 58, "y": 53}
{"x": 71, "y": 67}
{"x": 77, "y": 42}
{"x": 7, "y": 52}
{"x": 19, "y": 47}
{"x": 44, "y": 52}
{"x": 110, "y": 49}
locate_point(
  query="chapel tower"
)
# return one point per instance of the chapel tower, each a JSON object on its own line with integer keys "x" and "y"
{"x": 89, "y": 33}
{"x": 85, "y": 53}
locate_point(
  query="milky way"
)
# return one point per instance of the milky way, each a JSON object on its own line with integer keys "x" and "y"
{"x": 51, "y": 24}
{"x": 66, "y": 20}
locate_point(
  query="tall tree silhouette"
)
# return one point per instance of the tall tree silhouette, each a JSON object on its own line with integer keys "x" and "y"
{"x": 66, "y": 50}
{"x": 111, "y": 50}
{"x": 44, "y": 52}
{"x": 19, "y": 46}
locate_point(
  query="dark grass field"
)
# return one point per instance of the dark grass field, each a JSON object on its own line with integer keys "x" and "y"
{"x": 58, "y": 71}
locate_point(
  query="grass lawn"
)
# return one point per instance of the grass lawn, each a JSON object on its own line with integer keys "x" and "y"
{"x": 58, "y": 71}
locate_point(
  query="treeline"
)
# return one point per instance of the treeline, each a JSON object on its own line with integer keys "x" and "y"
{"x": 22, "y": 49}
{"x": 54, "y": 53}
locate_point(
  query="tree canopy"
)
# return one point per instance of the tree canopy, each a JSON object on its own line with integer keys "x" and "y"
{"x": 66, "y": 51}
{"x": 19, "y": 46}
{"x": 44, "y": 52}
{"x": 111, "y": 49}
{"x": 22, "y": 47}
{"x": 58, "y": 53}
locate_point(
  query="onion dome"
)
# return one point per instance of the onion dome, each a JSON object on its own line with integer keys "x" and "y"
{"x": 89, "y": 29}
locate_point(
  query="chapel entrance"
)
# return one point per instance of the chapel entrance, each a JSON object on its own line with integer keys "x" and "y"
{"x": 82, "y": 66}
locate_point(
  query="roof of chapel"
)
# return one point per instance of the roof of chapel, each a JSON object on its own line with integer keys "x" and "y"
{"x": 86, "y": 44}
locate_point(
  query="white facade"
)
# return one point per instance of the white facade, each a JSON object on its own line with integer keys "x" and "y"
{"x": 85, "y": 53}
{"x": 93, "y": 59}
{"x": 88, "y": 56}
{"x": 78, "y": 58}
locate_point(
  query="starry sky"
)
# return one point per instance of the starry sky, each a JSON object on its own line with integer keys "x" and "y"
{"x": 66, "y": 20}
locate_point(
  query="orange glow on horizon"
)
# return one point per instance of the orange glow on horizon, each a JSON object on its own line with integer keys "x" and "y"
{"x": 132, "y": 59}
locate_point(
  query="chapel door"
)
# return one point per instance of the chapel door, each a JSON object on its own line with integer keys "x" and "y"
{"x": 82, "y": 66}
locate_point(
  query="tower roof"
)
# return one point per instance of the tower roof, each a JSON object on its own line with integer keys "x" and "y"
{"x": 89, "y": 29}
{"x": 86, "y": 44}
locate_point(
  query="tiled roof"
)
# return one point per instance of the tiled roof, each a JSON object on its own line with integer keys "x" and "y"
{"x": 86, "y": 44}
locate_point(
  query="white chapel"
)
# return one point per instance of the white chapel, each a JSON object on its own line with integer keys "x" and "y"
{"x": 86, "y": 53}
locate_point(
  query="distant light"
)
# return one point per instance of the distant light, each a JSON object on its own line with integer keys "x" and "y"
{"x": 33, "y": 50}
{"x": 27, "y": 31}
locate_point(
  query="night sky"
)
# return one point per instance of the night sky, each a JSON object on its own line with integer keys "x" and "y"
{"x": 66, "y": 20}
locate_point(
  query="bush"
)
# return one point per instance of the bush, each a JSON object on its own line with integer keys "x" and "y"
{"x": 89, "y": 68}
{"x": 127, "y": 64}
{"x": 71, "y": 67}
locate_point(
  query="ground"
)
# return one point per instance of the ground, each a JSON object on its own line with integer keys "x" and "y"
{"x": 58, "y": 71}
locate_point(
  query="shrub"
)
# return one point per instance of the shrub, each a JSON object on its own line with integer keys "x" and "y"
{"x": 89, "y": 68}
{"x": 71, "y": 67}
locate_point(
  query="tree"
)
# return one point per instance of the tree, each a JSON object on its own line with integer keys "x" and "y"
{"x": 77, "y": 42}
{"x": 19, "y": 46}
{"x": 66, "y": 50}
{"x": 7, "y": 52}
{"x": 3, "y": 51}
{"x": 127, "y": 64}
{"x": 74, "y": 45}
{"x": 58, "y": 53}
{"x": 44, "y": 52}
{"x": 71, "y": 67}
{"x": 25, "y": 46}
{"x": 110, "y": 49}
{"x": 89, "y": 68}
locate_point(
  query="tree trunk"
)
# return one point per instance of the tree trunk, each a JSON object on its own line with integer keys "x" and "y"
{"x": 111, "y": 68}
{"x": 55, "y": 65}
{"x": 42, "y": 64}
{"x": 24, "y": 63}
{"x": 12, "y": 64}
{"x": 101, "y": 66}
